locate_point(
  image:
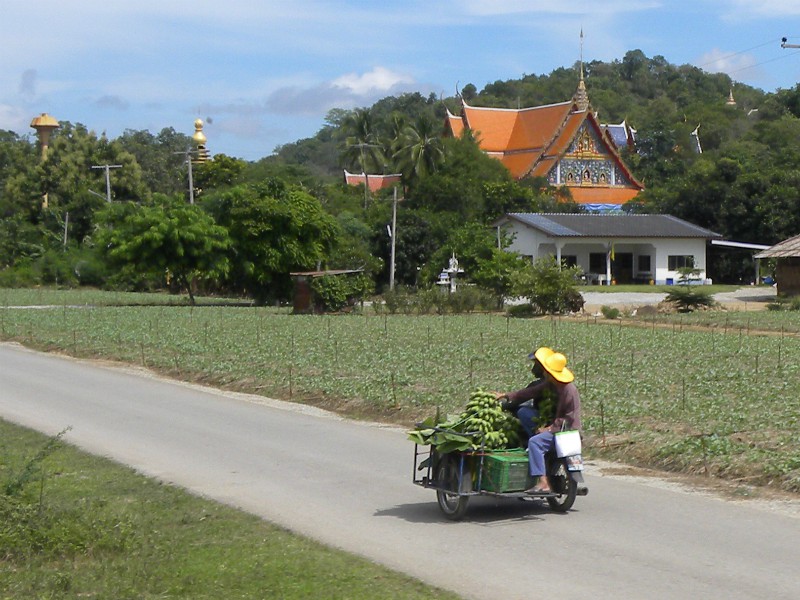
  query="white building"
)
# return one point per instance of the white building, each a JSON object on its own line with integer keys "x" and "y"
{"x": 612, "y": 248}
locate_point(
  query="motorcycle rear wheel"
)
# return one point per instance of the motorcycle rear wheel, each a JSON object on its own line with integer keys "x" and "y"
{"x": 563, "y": 485}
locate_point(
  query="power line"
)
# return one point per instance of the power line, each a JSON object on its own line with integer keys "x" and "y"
{"x": 763, "y": 62}
{"x": 726, "y": 56}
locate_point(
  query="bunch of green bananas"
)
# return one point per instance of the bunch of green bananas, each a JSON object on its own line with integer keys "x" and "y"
{"x": 484, "y": 414}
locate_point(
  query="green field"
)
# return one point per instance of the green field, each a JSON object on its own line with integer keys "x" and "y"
{"x": 80, "y": 526}
{"x": 721, "y": 399}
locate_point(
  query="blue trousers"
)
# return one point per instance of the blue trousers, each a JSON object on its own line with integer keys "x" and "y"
{"x": 528, "y": 416}
{"x": 537, "y": 446}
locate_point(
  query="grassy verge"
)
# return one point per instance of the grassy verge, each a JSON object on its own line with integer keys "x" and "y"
{"x": 90, "y": 297}
{"x": 77, "y": 526}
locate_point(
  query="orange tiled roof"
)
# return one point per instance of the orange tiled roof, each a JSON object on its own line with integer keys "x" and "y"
{"x": 602, "y": 195}
{"x": 376, "y": 182}
{"x": 456, "y": 124}
{"x": 515, "y": 137}
{"x": 531, "y": 141}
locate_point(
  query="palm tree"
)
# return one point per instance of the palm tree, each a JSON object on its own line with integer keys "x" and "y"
{"x": 420, "y": 150}
{"x": 362, "y": 146}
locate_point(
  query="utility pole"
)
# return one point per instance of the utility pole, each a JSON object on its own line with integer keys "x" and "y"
{"x": 188, "y": 155}
{"x": 108, "y": 177}
{"x": 394, "y": 239}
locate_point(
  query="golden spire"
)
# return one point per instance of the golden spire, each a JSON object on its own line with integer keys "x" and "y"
{"x": 199, "y": 139}
{"x": 581, "y": 96}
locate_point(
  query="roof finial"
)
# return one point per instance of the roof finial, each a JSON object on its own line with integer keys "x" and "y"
{"x": 581, "y": 97}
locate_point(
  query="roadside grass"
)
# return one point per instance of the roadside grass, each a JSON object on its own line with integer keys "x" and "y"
{"x": 44, "y": 296}
{"x": 721, "y": 400}
{"x": 84, "y": 527}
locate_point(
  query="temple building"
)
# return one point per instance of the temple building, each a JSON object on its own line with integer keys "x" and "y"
{"x": 564, "y": 143}
{"x": 375, "y": 182}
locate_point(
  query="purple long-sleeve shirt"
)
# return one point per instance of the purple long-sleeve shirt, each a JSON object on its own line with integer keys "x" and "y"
{"x": 568, "y": 407}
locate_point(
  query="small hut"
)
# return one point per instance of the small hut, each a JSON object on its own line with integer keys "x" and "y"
{"x": 304, "y": 301}
{"x": 787, "y": 258}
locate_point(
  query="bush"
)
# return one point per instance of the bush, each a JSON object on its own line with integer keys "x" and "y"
{"x": 465, "y": 299}
{"x": 335, "y": 292}
{"x": 551, "y": 288}
{"x": 792, "y": 303}
{"x": 398, "y": 300}
{"x": 610, "y": 312}
{"x": 522, "y": 311}
{"x": 690, "y": 297}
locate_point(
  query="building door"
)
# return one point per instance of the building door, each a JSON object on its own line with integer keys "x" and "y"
{"x": 622, "y": 267}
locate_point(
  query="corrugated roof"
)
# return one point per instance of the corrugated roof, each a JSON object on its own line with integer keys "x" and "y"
{"x": 785, "y": 249}
{"x": 612, "y": 226}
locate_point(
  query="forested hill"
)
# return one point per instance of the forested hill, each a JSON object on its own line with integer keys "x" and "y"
{"x": 745, "y": 184}
{"x": 57, "y": 227}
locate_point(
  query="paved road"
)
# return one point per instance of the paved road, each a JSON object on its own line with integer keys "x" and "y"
{"x": 348, "y": 485}
{"x": 745, "y": 297}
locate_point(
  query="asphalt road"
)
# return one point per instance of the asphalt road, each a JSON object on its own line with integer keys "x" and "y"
{"x": 349, "y": 485}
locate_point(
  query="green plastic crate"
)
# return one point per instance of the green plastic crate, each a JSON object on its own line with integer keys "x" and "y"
{"x": 506, "y": 471}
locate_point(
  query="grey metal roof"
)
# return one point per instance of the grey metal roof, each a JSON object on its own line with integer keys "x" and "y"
{"x": 785, "y": 249}
{"x": 612, "y": 225}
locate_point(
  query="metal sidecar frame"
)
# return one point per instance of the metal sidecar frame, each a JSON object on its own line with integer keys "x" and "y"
{"x": 460, "y": 475}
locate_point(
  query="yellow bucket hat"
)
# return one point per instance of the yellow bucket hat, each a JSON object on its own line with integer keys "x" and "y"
{"x": 541, "y": 353}
{"x": 556, "y": 365}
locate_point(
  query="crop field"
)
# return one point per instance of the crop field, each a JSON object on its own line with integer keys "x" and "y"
{"x": 731, "y": 321}
{"x": 718, "y": 400}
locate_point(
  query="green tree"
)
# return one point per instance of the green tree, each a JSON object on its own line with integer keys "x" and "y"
{"x": 168, "y": 239}
{"x": 275, "y": 230}
{"x": 161, "y": 158}
{"x": 419, "y": 149}
{"x": 550, "y": 288}
{"x": 363, "y": 147}
{"x": 220, "y": 172}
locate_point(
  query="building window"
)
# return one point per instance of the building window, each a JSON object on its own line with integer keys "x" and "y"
{"x": 676, "y": 262}
{"x": 597, "y": 262}
{"x": 569, "y": 260}
{"x": 643, "y": 263}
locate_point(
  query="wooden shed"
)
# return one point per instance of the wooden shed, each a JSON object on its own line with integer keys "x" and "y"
{"x": 304, "y": 301}
{"x": 787, "y": 271}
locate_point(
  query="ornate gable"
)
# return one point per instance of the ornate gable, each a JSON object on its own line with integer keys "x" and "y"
{"x": 562, "y": 142}
{"x": 589, "y": 161}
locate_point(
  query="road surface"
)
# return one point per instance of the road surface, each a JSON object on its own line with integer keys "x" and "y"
{"x": 348, "y": 484}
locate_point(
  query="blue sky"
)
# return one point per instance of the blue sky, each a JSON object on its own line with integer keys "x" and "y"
{"x": 266, "y": 72}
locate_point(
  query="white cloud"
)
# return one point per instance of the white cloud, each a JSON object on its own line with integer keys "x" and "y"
{"x": 13, "y": 118}
{"x": 510, "y": 7}
{"x": 347, "y": 91}
{"x": 732, "y": 63}
{"x": 380, "y": 79}
{"x": 746, "y": 9}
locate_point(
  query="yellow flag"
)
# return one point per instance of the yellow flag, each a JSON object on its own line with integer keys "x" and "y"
{"x": 612, "y": 250}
